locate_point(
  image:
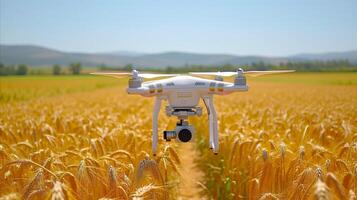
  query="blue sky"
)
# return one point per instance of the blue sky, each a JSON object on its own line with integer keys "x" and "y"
{"x": 280, "y": 27}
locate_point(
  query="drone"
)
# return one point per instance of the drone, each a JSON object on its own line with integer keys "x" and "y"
{"x": 183, "y": 93}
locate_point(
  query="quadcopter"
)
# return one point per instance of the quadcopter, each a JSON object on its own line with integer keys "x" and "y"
{"x": 183, "y": 93}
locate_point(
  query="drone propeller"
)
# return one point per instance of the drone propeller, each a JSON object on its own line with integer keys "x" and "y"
{"x": 214, "y": 73}
{"x": 248, "y": 73}
{"x": 146, "y": 75}
{"x": 260, "y": 73}
{"x": 133, "y": 74}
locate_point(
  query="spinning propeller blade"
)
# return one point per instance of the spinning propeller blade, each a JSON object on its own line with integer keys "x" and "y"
{"x": 260, "y": 73}
{"x": 134, "y": 73}
{"x": 248, "y": 73}
{"x": 156, "y": 75}
{"x": 214, "y": 73}
{"x": 112, "y": 74}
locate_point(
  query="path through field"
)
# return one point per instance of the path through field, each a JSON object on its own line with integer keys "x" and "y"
{"x": 189, "y": 188}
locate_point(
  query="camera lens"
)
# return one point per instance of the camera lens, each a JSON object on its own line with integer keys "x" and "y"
{"x": 185, "y": 135}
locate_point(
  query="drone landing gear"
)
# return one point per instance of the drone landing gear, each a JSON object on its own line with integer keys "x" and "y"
{"x": 212, "y": 119}
{"x": 155, "y": 116}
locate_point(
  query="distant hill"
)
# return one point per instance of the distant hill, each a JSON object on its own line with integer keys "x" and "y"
{"x": 41, "y": 56}
{"x": 349, "y": 55}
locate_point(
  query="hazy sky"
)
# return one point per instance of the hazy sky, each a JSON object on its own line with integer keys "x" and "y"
{"x": 238, "y": 27}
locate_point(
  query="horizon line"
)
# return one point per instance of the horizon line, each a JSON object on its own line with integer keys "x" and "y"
{"x": 171, "y": 51}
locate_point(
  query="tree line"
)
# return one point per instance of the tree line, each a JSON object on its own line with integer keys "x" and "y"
{"x": 22, "y": 69}
{"x": 76, "y": 68}
{"x": 306, "y": 66}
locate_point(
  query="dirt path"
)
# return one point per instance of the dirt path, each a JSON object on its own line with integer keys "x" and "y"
{"x": 190, "y": 173}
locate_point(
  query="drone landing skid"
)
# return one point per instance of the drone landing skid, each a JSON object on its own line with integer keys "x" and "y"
{"x": 212, "y": 120}
{"x": 155, "y": 116}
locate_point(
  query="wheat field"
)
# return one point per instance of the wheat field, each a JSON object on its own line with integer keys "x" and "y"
{"x": 80, "y": 144}
{"x": 292, "y": 138}
{"x": 85, "y": 138}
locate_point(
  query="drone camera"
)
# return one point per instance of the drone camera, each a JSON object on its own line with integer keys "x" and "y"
{"x": 183, "y": 132}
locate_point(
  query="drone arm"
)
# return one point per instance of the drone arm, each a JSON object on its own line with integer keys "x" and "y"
{"x": 155, "y": 116}
{"x": 236, "y": 88}
{"x": 213, "y": 129}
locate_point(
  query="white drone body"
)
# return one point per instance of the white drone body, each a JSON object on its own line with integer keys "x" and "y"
{"x": 183, "y": 93}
